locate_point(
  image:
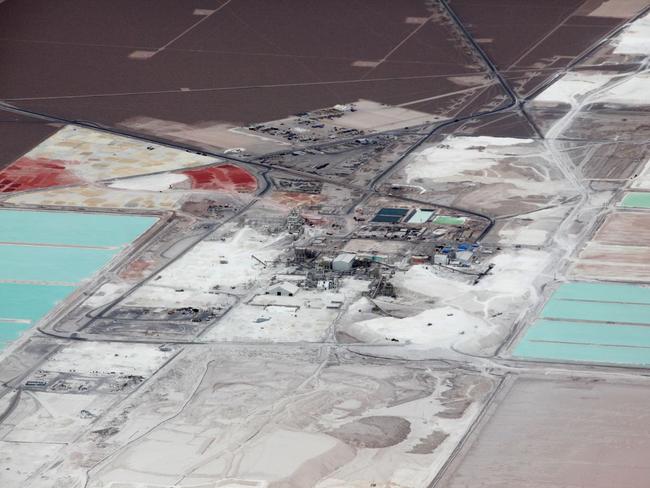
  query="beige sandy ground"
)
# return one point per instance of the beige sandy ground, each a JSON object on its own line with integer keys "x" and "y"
{"x": 155, "y": 296}
{"x": 293, "y": 417}
{"x": 470, "y": 318}
{"x": 618, "y": 251}
{"x": 642, "y": 181}
{"x": 211, "y": 134}
{"x": 45, "y": 422}
{"x": 309, "y": 316}
{"x": 94, "y": 155}
{"x": 533, "y": 229}
{"x": 497, "y": 175}
{"x": 369, "y": 116}
{"x": 376, "y": 117}
{"x": 591, "y": 433}
{"x": 226, "y": 262}
{"x": 617, "y": 8}
{"x": 101, "y": 197}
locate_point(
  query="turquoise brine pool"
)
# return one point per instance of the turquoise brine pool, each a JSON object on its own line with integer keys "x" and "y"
{"x": 45, "y": 256}
{"x": 584, "y": 353}
{"x": 604, "y": 292}
{"x": 597, "y": 311}
{"x": 51, "y": 264}
{"x": 10, "y": 331}
{"x": 30, "y": 302}
{"x": 71, "y": 228}
{"x": 592, "y": 322}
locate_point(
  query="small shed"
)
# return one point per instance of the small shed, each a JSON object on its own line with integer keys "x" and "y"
{"x": 284, "y": 289}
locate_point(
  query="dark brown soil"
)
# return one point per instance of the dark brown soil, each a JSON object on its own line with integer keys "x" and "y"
{"x": 507, "y": 124}
{"x": 19, "y": 134}
{"x": 374, "y": 432}
{"x": 250, "y": 61}
{"x": 521, "y": 36}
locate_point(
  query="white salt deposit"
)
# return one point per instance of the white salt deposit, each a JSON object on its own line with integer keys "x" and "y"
{"x": 456, "y": 155}
{"x": 635, "y": 39}
{"x": 573, "y": 86}
{"x": 160, "y": 182}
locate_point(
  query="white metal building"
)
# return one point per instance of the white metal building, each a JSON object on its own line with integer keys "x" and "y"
{"x": 284, "y": 289}
{"x": 343, "y": 262}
